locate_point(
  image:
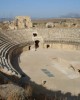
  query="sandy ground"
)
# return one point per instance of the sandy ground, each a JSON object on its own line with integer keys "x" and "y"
{"x": 54, "y": 67}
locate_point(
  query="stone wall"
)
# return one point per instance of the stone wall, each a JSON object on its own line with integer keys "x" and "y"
{"x": 56, "y": 38}
{"x": 62, "y": 46}
{"x": 19, "y": 22}
{"x": 23, "y": 22}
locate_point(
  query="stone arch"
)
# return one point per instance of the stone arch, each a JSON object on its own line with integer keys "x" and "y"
{"x": 29, "y": 47}
{"x": 34, "y": 34}
{"x": 47, "y": 46}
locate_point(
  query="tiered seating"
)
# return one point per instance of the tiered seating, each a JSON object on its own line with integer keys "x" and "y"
{"x": 9, "y": 40}
{"x": 5, "y": 66}
{"x": 56, "y": 34}
{"x": 13, "y": 38}
{"x": 18, "y": 36}
{"x": 60, "y": 35}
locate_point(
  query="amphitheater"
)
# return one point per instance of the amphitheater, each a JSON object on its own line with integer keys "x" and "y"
{"x": 49, "y": 56}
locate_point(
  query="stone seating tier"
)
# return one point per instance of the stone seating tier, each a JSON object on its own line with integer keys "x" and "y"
{"x": 12, "y": 38}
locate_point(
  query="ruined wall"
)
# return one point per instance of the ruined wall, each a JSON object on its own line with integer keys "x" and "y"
{"x": 56, "y": 38}
{"x": 23, "y": 22}
{"x": 20, "y": 22}
{"x": 67, "y": 39}
{"x": 62, "y": 46}
{"x": 12, "y": 25}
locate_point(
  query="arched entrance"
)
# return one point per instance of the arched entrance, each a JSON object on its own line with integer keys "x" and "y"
{"x": 29, "y": 47}
{"x": 34, "y": 34}
{"x": 47, "y": 45}
{"x": 37, "y": 44}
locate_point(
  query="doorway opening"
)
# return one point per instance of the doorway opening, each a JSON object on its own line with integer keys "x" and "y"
{"x": 47, "y": 45}
{"x": 37, "y": 44}
{"x": 34, "y": 34}
{"x": 29, "y": 47}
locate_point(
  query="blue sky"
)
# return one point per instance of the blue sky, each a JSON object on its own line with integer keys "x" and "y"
{"x": 38, "y": 8}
